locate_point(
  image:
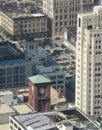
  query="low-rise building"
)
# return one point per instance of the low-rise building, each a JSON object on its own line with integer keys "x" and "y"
{"x": 70, "y": 119}
{"x": 5, "y": 112}
{"x": 6, "y": 97}
{"x": 17, "y": 65}
{"x": 54, "y": 73}
{"x": 14, "y": 69}
{"x": 21, "y": 24}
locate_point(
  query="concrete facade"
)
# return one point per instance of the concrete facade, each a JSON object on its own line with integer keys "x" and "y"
{"x": 20, "y": 24}
{"x": 63, "y": 13}
{"x": 89, "y": 62}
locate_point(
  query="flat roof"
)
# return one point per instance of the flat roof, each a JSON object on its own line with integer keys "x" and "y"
{"x": 48, "y": 120}
{"x": 24, "y": 15}
{"x": 36, "y": 121}
{"x": 4, "y": 126}
{"x": 22, "y": 109}
{"x": 54, "y": 97}
{"x": 8, "y": 51}
{"x": 5, "y": 92}
{"x": 5, "y": 109}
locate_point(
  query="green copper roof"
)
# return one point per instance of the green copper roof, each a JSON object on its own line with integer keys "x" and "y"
{"x": 39, "y": 79}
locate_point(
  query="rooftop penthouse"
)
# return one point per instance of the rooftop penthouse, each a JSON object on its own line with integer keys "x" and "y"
{"x": 8, "y": 51}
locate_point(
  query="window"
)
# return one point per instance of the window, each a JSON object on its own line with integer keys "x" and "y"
{"x": 65, "y": 16}
{"x": 11, "y": 121}
{"x": 22, "y": 77}
{"x": 9, "y": 79}
{"x": 61, "y": 16}
{"x": 15, "y": 78}
{"x": 22, "y": 69}
{"x": 65, "y": 23}
{"x": 53, "y": 78}
{"x": 56, "y": 17}
{"x": 60, "y": 82}
{"x": 15, "y": 70}
{"x": 79, "y": 22}
{"x": 65, "y": 10}
{"x": 2, "y": 72}
{"x": 19, "y": 128}
{"x": 60, "y": 23}
{"x": 56, "y": 24}
{"x": 60, "y": 77}
{"x": 60, "y": 10}
{"x": 15, "y": 125}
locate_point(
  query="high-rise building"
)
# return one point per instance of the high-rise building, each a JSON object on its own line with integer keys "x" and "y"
{"x": 89, "y": 62}
{"x": 64, "y": 13}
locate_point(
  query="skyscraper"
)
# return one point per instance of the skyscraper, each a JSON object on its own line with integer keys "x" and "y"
{"x": 64, "y": 13}
{"x": 89, "y": 62}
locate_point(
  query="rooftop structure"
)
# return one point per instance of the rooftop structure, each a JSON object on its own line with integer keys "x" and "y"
{"x": 24, "y": 15}
{"x": 22, "y": 109}
{"x": 5, "y": 112}
{"x": 6, "y": 97}
{"x": 70, "y": 35}
{"x": 53, "y": 71}
{"x": 9, "y": 52}
{"x": 53, "y": 92}
{"x": 39, "y": 79}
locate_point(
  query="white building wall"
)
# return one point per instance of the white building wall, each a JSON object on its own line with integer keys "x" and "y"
{"x": 88, "y": 62}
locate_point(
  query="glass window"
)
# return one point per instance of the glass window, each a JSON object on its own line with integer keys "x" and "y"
{"x": 60, "y": 23}
{"x": 9, "y": 79}
{"x": 22, "y": 77}
{"x": 9, "y": 71}
{"x": 65, "y": 16}
{"x": 15, "y": 70}
{"x": 2, "y": 72}
{"x": 60, "y": 77}
{"x": 15, "y": 78}
{"x": 61, "y": 16}
{"x": 22, "y": 69}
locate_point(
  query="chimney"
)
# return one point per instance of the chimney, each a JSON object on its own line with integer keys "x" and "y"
{"x": 60, "y": 92}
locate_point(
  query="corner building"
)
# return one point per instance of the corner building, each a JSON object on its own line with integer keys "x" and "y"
{"x": 89, "y": 62}
{"x": 63, "y": 13}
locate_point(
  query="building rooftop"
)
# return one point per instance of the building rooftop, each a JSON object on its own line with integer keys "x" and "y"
{"x": 54, "y": 97}
{"x": 39, "y": 79}
{"x": 5, "y": 109}
{"x": 4, "y": 126}
{"x": 35, "y": 122}
{"x": 53, "y": 92}
{"x": 22, "y": 109}
{"x": 10, "y": 53}
{"x": 24, "y": 15}
{"x": 54, "y": 120}
{"x": 5, "y": 92}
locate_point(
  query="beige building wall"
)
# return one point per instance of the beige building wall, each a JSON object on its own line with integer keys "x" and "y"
{"x": 2, "y": 1}
{"x": 21, "y": 24}
{"x": 89, "y": 62}
{"x": 64, "y": 13}
{"x": 6, "y": 23}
